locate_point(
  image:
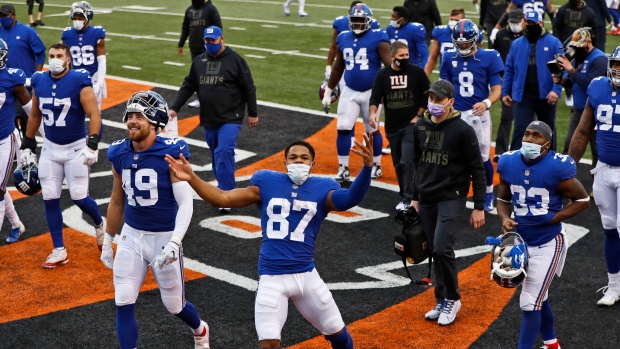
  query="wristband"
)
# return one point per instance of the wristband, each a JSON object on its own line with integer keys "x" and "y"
{"x": 488, "y": 102}
{"x": 93, "y": 141}
{"x": 29, "y": 143}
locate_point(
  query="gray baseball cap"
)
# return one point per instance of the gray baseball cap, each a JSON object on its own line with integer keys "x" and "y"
{"x": 7, "y": 8}
{"x": 442, "y": 88}
{"x": 515, "y": 16}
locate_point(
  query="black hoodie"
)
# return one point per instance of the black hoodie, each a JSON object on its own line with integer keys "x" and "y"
{"x": 448, "y": 159}
{"x": 196, "y": 20}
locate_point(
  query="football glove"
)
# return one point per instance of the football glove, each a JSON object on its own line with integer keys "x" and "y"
{"x": 518, "y": 254}
{"x": 327, "y": 99}
{"x": 493, "y": 35}
{"x": 107, "y": 253}
{"x": 91, "y": 153}
{"x": 169, "y": 255}
{"x": 27, "y": 157}
{"x": 328, "y": 71}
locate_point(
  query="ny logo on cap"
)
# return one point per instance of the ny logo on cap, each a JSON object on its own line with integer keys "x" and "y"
{"x": 209, "y": 30}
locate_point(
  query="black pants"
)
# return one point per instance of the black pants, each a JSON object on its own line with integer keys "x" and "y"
{"x": 441, "y": 222}
{"x": 502, "y": 142}
{"x": 572, "y": 126}
{"x": 401, "y": 144}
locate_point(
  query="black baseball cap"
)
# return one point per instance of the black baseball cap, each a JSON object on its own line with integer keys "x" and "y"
{"x": 515, "y": 16}
{"x": 442, "y": 88}
{"x": 7, "y": 8}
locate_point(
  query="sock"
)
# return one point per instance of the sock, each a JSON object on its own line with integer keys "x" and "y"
{"x": 341, "y": 341}
{"x": 343, "y": 143}
{"x": 377, "y": 147}
{"x": 613, "y": 278}
{"x": 9, "y": 211}
{"x": 302, "y": 3}
{"x": 89, "y": 206}
{"x": 530, "y": 326}
{"x": 190, "y": 316}
{"x": 612, "y": 251}
{"x": 126, "y": 326}
{"x": 488, "y": 173}
{"x": 53, "y": 215}
{"x": 546, "y": 326}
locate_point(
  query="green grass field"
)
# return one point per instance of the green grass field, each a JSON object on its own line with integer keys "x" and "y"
{"x": 286, "y": 54}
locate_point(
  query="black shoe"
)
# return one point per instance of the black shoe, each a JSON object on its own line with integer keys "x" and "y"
{"x": 496, "y": 158}
{"x": 40, "y": 22}
{"x": 33, "y": 24}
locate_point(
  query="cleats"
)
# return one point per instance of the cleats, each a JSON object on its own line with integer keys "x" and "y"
{"x": 56, "y": 258}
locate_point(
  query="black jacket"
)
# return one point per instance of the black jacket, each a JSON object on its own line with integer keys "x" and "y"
{"x": 447, "y": 158}
{"x": 503, "y": 40}
{"x": 492, "y": 11}
{"x": 224, "y": 85}
{"x": 194, "y": 24}
{"x": 424, "y": 12}
{"x": 568, "y": 19}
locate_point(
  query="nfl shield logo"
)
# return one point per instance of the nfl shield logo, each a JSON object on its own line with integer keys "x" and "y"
{"x": 454, "y": 64}
{"x": 527, "y": 172}
{"x": 135, "y": 157}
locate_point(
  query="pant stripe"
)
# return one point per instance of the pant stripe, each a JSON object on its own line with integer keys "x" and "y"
{"x": 559, "y": 243}
{"x": 9, "y": 164}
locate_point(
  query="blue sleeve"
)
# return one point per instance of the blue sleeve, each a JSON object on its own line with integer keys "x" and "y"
{"x": 598, "y": 67}
{"x": 101, "y": 32}
{"x": 84, "y": 78}
{"x": 557, "y": 88}
{"x": 344, "y": 199}
{"x": 495, "y": 79}
{"x": 257, "y": 178}
{"x": 444, "y": 69}
{"x": 480, "y": 36}
{"x": 178, "y": 146}
{"x": 569, "y": 169}
{"x": 421, "y": 46}
{"x": 37, "y": 47}
{"x": 509, "y": 71}
{"x": 434, "y": 33}
{"x": 18, "y": 77}
{"x": 384, "y": 37}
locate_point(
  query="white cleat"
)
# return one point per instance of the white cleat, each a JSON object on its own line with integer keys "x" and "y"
{"x": 194, "y": 104}
{"x": 449, "y": 311}
{"x": 611, "y": 294}
{"x": 201, "y": 341}
{"x": 56, "y": 258}
{"x": 287, "y": 10}
{"x": 343, "y": 174}
{"x": 303, "y": 14}
{"x": 376, "y": 171}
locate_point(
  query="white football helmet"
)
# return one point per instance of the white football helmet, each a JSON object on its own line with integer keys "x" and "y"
{"x": 509, "y": 259}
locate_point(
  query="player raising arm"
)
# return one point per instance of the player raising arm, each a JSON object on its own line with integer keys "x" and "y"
{"x": 292, "y": 207}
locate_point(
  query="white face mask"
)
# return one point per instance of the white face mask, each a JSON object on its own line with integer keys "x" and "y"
{"x": 56, "y": 65}
{"x": 531, "y": 150}
{"x": 452, "y": 24}
{"x": 78, "y": 25}
{"x": 516, "y": 27}
{"x": 395, "y": 24}
{"x": 298, "y": 173}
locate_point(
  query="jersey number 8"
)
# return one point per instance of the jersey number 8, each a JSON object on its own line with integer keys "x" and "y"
{"x": 466, "y": 84}
{"x": 278, "y": 225}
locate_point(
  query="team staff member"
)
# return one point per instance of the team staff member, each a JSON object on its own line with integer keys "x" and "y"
{"x": 599, "y": 113}
{"x": 490, "y": 12}
{"x": 27, "y": 52}
{"x": 224, "y": 84}
{"x": 535, "y": 180}
{"x": 448, "y": 160}
{"x": 588, "y": 64}
{"x": 531, "y": 85}
{"x": 30, "y": 4}
{"x": 400, "y": 88}
{"x": 198, "y": 17}
{"x": 505, "y": 37}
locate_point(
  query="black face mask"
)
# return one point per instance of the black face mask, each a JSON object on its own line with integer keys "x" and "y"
{"x": 581, "y": 54}
{"x": 574, "y": 3}
{"x": 402, "y": 63}
{"x": 198, "y": 3}
{"x": 532, "y": 32}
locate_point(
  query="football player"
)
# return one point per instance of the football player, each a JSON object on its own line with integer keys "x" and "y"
{"x": 87, "y": 44}
{"x": 601, "y": 111}
{"x": 12, "y": 81}
{"x": 292, "y": 207}
{"x": 411, "y": 33}
{"x": 300, "y": 12}
{"x": 474, "y": 71}
{"x": 534, "y": 181}
{"x": 442, "y": 39}
{"x": 62, "y": 98}
{"x": 540, "y": 6}
{"x": 361, "y": 51}
{"x": 157, "y": 209}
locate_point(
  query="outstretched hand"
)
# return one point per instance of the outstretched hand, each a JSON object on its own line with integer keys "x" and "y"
{"x": 180, "y": 168}
{"x": 365, "y": 149}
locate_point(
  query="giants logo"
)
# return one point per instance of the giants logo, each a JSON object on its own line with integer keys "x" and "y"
{"x": 398, "y": 82}
{"x": 23, "y": 186}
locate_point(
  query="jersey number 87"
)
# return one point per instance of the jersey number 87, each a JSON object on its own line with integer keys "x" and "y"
{"x": 278, "y": 225}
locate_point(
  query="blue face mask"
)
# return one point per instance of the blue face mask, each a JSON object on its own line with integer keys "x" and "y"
{"x": 213, "y": 49}
{"x": 6, "y": 22}
{"x": 531, "y": 150}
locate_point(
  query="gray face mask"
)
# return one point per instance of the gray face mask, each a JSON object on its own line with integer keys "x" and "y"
{"x": 298, "y": 173}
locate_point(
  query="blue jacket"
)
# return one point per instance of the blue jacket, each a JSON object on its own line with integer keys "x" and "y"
{"x": 547, "y": 47}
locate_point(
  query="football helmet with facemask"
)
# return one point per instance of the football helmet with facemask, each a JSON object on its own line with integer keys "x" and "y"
{"x": 26, "y": 178}
{"x": 360, "y": 19}
{"x": 509, "y": 259}
{"x": 465, "y": 32}
{"x": 82, "y": 8}
{"x": 151, "y": 105}
{"x": 4, "y": 54}
{"x": 335, "y": 91}
{"x": 614, "y": 74}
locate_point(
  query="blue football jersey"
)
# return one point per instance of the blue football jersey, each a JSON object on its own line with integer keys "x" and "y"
{"x": 471, "y": 76}
{"x": 414, "y": 35}
{"x": 341, "y": 24}
{"x": 532, "y": 5}
{"x": 9, "y": 78}
{"x": 535, "y": 195}
{"x": 150, "y": 204}
{"x": 443, "y": 35}
{"x": 606, "y": 104}
{"x": 361, "y": 57}
{"x": 64, "y": 119}
{"x": 291, "y": 218}
{"x": 25, "y": 47}
{"x": 83, "y": 45}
